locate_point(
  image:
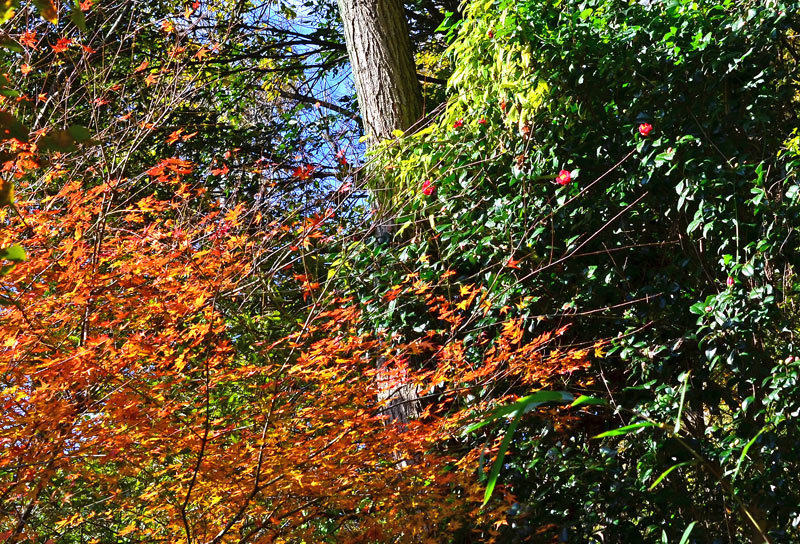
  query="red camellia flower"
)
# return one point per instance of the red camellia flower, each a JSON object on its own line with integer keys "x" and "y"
{"x": 458, "y": 123}
{"x": 730, "y": 281}
{"x": 482, "y": 121}
{"x": 563, "y": 177}
{"x": 428, "y": 188}
{"x": 645, "y": 129}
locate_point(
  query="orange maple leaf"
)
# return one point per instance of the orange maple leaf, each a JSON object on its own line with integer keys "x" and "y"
{"x": 28, "y": 39}
{"x": 62, "y": 45}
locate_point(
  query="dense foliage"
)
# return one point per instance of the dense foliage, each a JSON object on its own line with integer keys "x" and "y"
{"x": 581, "y": 272}
{"x": 670, "y": 235}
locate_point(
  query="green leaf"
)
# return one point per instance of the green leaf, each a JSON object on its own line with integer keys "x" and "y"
{"x": 683, "y": 399}
{"x": 11, "y": 45}
{"x": 14, "y": 253}
{"x": 77, "y": 17}
{"x": 666, "y": 472}
{"x": 501, "y": 454}
{"x": 11, "y": 128}
{"x": 583, "y": 399}
{"x": 686, "y": 533}
{"x": 525, "y": 404}
{"x": 7, "y": 9}
{"x": 58, "y": 140}
{"x": 6, "y": 192}
{"x": 627, "y": 429}
{"x": 80, "y": 133}
{"x": 744, "y": 453}
{"x": 47, "y": 10}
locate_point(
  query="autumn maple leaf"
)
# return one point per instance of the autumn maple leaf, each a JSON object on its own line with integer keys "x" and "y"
{"x": 28, "y": 39}
{"x": 61, "y": 45}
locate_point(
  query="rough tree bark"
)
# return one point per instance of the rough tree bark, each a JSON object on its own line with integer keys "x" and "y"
{"x": 390, "y": 98}
{"x": 379, "y": 47}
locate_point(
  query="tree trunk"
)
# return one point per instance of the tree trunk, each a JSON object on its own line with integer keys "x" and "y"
{"x": 390, "y": 98}
{"x": 379, "y": 47}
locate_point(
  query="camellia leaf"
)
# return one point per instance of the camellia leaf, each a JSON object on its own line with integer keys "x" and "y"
{"x": 77, "y": 17}
{"x": 80, "y": 133}
{"x": 58, "y": 140}
{"x": 11, "y": 128}
{"x": 47, "y": 10}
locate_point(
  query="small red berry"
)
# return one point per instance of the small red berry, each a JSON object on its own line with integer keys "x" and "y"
{"x": 490, "y": 34}
{"x": 458, "y": 123}
{"x": 482, "y": 121}
{"x": 645, "y": 129}
{"x": 730, "y": 281}
{"x": 428, "y": 188}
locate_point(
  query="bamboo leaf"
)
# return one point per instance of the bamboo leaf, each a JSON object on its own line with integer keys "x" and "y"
{"x": 525, "y": 404}
{"x": 583, "y": 399}
{"x": 683, "y": 399}
{"x": 744, "y": 454}
{"x": 687, "y": 532}
{"x": 666, "y": 472}
{"x": 626, "y": 429}
{"x": 501, "y": 454}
